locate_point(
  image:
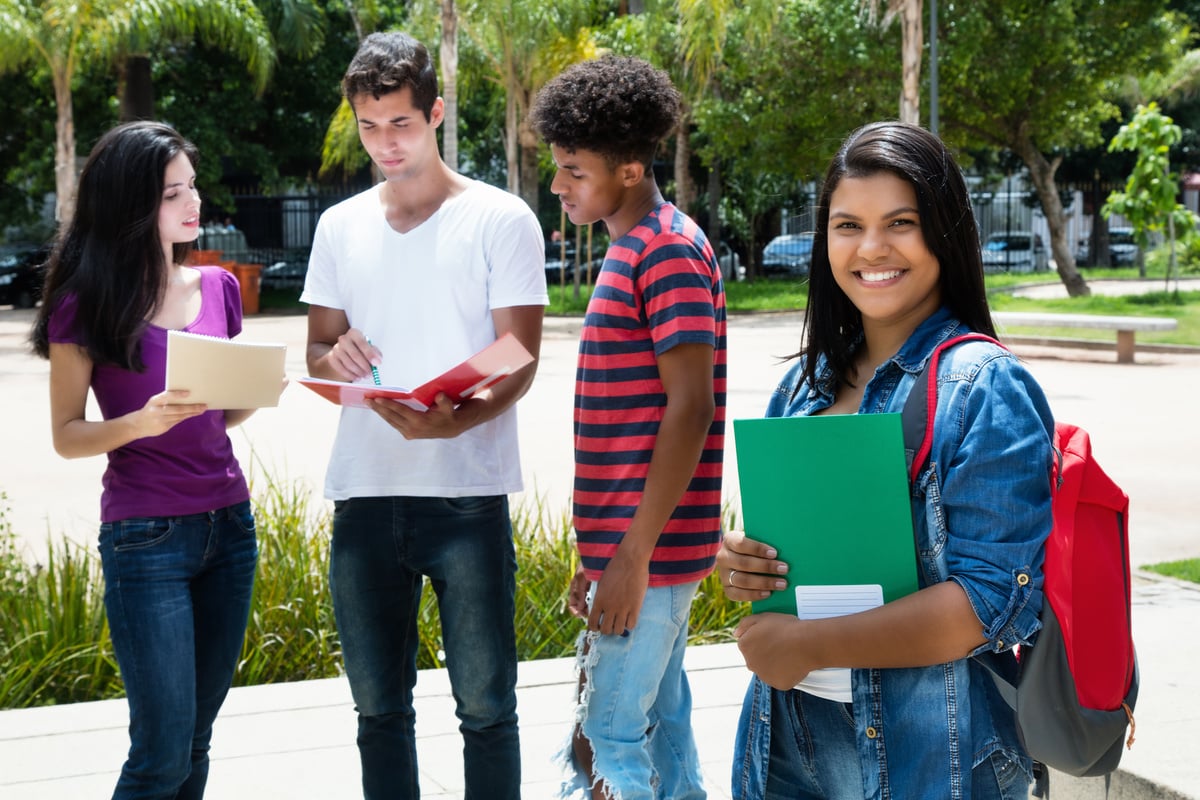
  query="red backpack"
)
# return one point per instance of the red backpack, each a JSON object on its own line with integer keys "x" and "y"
{"x": 1078, "y": 683}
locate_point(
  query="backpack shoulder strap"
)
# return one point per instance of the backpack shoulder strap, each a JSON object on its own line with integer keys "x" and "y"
{"x": 916, "y": 418}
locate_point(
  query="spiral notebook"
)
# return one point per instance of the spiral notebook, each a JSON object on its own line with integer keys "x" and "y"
{"x": 489, "y": 366}
{"x": 225, "y": 373}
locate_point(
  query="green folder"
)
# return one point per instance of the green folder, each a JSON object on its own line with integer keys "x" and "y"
{"x": 831, "y": 494}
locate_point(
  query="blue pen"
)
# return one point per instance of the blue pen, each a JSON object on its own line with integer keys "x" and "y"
{"x": 374, "y": 369}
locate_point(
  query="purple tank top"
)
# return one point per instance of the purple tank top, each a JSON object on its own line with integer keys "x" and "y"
{"x": 189, "y": 469}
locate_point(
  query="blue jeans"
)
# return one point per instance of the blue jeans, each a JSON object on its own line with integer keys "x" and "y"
{"x": 813, "y": 750}
{"x": 381, "y": 548}
{"x": 636, "y": 706}
{"x": 177, "y": 593}
{"x": 814, "y": 756}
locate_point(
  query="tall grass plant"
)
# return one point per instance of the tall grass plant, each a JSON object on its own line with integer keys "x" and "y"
{"x": 55, "y": 645}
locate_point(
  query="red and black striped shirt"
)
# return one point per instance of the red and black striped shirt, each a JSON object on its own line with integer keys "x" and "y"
{"x": 659, "y": 287}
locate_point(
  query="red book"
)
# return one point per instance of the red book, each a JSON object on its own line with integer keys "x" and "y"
{"x": 489, "y": 366}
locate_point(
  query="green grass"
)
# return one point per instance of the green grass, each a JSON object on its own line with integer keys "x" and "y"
{"x": 776, "y": 294}
{"x": 1186, "y": 570}
{"x": 1184, "y": 307}
{"x": 785, "y": 295}
{"x": 773, "y": 294}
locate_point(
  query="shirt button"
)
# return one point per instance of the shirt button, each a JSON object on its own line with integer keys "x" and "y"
{"x": 871, "y": 732}
{"x": 1000, "y": 644}
{"x": 1022, "y": 579}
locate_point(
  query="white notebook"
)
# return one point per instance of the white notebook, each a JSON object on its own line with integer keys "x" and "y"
{"x": 223, "y": 373}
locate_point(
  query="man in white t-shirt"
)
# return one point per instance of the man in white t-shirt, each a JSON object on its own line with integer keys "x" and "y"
{"x": 432, "y": 267}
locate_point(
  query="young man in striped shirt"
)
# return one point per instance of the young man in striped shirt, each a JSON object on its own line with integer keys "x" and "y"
{"x": 649, "y": 431}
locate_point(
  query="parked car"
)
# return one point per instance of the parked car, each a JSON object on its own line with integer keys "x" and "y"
{"x": 284, "y": 275}
{"x": 562, "y": 269}
{"x": 560, "y": 262}
{"x": 730, "y": 263}
{"x": 22, "y": 272}
{"x": 789, "y": 254}
{"x": 1015, "y": 251}
{"x": 1122, "y": 248}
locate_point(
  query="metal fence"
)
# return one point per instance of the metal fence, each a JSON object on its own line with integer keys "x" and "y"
{"x": 268, "y": 229}
{"x": 1013, "y": 207}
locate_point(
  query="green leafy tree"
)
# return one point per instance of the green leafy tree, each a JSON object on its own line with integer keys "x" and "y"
{"x": 64, "y": 36}
{"x": 774, "y": 127}
{"x": 1038, "y": 78}
{"x": 525, "y": 43}
{"x": 1148, "y": 201}
{"x": 297, "y": 27}
{"x": 690, "y": 40}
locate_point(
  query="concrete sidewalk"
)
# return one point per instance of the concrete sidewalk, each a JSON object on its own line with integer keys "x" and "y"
{"x": 297, "y": 740}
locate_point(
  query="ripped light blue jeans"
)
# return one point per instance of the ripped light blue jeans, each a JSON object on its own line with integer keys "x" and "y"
{"x": 635, "y": 707}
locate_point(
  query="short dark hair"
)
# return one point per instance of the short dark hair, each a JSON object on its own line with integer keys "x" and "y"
{"x": 619, "y": 107}
{"x": 389, "y": 62}
{"x": 110, "y": 256}
{"x": 919, "y": 158}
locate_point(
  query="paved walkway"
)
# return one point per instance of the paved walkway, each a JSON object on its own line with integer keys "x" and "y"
{"x": 296, "y": 740}
{"x": 1111, "y": 288}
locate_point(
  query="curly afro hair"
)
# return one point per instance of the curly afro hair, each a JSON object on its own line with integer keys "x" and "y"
{"x": 619, "y": 107}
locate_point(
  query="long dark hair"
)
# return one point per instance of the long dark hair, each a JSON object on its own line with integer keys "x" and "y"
{"x": 110, "y": 256}
{"x": 832, "y": 325}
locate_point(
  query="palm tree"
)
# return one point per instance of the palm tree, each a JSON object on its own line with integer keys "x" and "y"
{"x": 703, "y": 29}
{"x": 910, "y": 13}
{"x": 297, "y": 27}
{"x": 62, "y": 35}
{"x": 527, "y": 42}
{"x": 449, "y": 63}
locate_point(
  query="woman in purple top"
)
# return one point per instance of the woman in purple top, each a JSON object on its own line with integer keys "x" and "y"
{"x": 177, "y": 538}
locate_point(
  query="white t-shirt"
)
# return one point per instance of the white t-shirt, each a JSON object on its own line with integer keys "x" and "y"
{"x": 425, "y": 300}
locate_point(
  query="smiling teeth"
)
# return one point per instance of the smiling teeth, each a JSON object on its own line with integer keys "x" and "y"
{"x": 874, "y": 277}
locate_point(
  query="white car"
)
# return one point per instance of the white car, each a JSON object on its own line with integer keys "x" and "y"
{"x": 730, "y": 263}
{"x": 1015, "y": 251}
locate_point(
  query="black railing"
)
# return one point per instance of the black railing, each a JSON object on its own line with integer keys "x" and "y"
{"x": 267, "y": 229}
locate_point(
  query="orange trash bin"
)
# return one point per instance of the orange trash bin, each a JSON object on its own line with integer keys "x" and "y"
{"x": 249, "y": 276}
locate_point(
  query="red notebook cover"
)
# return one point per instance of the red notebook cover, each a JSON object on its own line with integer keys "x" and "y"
{"x": 489, "y": 366}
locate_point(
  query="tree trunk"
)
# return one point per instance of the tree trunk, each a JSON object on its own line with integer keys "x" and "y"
{"x": 511, "y": 136}
{"x": 713, "y": 228}
{"x": 136, "y": 89}
{"x": 64, "y": 150}
{"x": 911, "y": 45}
{"x": 685, "y": 190}
{"x": 449, "y": 59}
{"x": 529, "y": 164}
{"x": 1041, "y": 172}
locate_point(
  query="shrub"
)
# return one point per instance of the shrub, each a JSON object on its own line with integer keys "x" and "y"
{"x": 55, "y": 645}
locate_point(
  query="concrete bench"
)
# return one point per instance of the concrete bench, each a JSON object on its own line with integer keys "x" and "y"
{"x": 1124, "y": 326}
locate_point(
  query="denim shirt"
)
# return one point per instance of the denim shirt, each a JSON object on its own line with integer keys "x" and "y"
{"x": 981, "y": 513}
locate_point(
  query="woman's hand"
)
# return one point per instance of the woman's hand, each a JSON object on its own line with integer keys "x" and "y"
{"x": 164, "y": 411}
{"x": 774, "y": 648}
{"x": 749, "y": 569}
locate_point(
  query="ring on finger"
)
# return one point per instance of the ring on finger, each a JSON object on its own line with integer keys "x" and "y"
{"x": 731, "y": 574}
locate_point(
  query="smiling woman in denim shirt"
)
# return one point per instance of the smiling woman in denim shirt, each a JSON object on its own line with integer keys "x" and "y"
{"x": 896, "y": 270}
